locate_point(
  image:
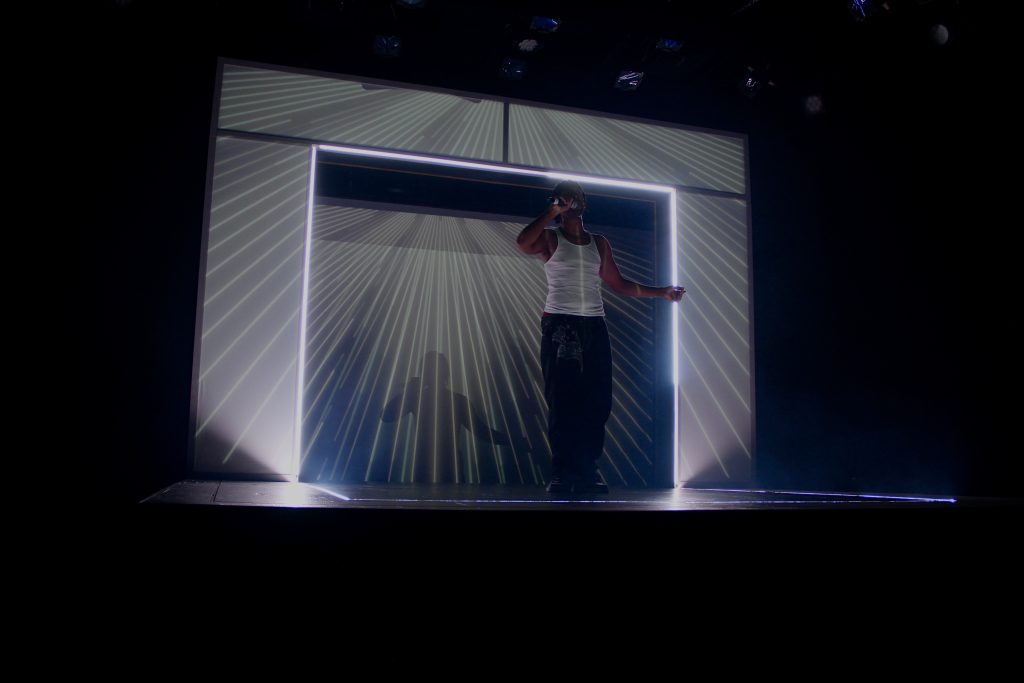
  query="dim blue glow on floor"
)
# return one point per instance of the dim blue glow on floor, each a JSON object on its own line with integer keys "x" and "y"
{"x": 870, "y": 496}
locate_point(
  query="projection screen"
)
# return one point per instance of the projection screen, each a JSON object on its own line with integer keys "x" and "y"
{"x": 364, "y": 315}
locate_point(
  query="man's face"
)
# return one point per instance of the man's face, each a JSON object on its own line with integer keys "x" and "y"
{"x": 568, "y": 199}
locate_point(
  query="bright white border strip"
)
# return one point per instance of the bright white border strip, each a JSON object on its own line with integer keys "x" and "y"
{"x": 308, "y": 247}
{"x": 553, "y": 175}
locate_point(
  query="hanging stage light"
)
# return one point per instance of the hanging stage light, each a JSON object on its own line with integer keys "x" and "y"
{"x": 387, "y": 46}
{"x": 513, "y": 69}
{"x": 862, "y": 10}
{"x": 629, "y": 80}
{"x": 669, "y": 45}
{"x": 545, "y": 24}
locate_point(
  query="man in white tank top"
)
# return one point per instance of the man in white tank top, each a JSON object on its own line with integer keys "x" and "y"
{"x": 575, "y": 351}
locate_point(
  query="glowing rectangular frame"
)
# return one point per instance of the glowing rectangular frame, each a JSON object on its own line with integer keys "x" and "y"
{"x": 669, "y": 190}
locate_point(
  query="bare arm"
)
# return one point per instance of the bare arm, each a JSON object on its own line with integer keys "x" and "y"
{"x": 532, "y": 239}
{"x": 620, "y": 285}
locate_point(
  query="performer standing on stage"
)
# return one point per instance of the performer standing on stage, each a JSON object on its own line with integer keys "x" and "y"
{"x": 575, "y": 354}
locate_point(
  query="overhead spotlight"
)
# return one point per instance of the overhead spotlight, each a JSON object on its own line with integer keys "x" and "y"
{"x": 415, "y": 4}
{"x": 752, "y": 82}
{"x": 513, "y": 69}
{"x": 938, "y": 34}
{"x": 669, "y": 45}
{"x": 387, "y": 46}
{"x": 545, "y": 24}
{"x": 528, "y": 45}
{"x": 629, "y": 80}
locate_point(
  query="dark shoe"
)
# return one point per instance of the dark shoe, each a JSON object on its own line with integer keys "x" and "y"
{"x": 559, "y": 485}
{"x": 591, "y": 483}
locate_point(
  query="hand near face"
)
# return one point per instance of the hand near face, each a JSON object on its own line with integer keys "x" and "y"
{"x": 564, "y": 205}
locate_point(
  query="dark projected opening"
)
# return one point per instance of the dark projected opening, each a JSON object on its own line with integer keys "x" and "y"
{"x": 423, "y": 328}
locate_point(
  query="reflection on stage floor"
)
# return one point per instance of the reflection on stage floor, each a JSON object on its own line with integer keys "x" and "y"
{"x": 451, "y": 497}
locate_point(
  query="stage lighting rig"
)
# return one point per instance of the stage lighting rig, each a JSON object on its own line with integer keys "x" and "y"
{"x": 629, "y": 80}
{"x": 669, "y": 45}
{"x": 513, "y": 69}
{"x": 387, "y": 46}
{"x": 862, "y": 10}
{"x": 753, "y": 81}
{"x": 545, "y": 24}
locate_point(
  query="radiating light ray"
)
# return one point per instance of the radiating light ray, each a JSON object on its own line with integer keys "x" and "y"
{"x": 212, "y": 414}
{"x": 741, "y": 362}
{"x": 707, "y": 437}
{"x": 740, "y": 441}
{"x": 729, "y": 229}
{"x": 224, "y": 411}
{"x": 698, "y": 285}
{"x": 724, "y": 373}
{"x": 320, "y": 108}
{"x": 737, "y": 274}
{"x": 631, "y": 463}
{"x": 555, "y": 139}
{"x": 252, "y": 291}
{"x": 462, "y": 276}
{"x": 238, "y": 339}
{"x": 696, "y": 294}
{"x": 227, "y": 286}
{"x": 410, "y": 273}
{"x": 239, "y": 169}
{"x": 282, "y": 110}
{"x": 736, "y": 299}
{"x": 629, "y": 435}
{"x": 257, "y": 204}
{"x": 239, "y": 176}
{"x": 244, "y": 432}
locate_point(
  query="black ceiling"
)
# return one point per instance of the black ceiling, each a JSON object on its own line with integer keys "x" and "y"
{"x": 802, "y": 48}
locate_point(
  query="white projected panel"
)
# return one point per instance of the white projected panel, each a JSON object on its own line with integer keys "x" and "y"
{"x": 248, "y": 360}
{"x": 423, "y": 361}
{"x": 715, "y": 390}
{"x": 598, "y": 145}
{"x": 334, "y": 110}
{"x": 248, "y": 406}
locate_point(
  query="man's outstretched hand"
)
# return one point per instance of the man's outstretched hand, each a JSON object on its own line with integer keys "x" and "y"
{"x": 672, "y": 293}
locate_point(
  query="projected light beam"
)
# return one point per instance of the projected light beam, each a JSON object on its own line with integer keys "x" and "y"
{"x": 442, "y": 261}
{"x": 466, "y": 345}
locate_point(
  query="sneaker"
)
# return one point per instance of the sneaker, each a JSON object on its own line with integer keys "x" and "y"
{"x": 559, "y": 485}
{"x": 591, "y": 484}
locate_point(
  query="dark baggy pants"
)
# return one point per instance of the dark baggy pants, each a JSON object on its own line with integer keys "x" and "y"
{"x": 576, "y": 358}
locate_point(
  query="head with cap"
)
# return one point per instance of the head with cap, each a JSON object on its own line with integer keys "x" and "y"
{"x": 572, "y": 192}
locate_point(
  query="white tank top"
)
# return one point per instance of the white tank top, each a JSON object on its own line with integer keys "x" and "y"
{"x": 574, "y": 280}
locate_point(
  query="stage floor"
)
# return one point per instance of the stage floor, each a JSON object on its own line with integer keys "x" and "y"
{"x": 455, "y": 497}
{"x": 451, "y": 530}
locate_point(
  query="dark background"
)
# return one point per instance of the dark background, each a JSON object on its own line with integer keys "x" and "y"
{"x": 883, "y": 346}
